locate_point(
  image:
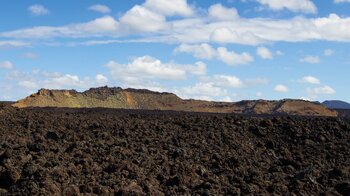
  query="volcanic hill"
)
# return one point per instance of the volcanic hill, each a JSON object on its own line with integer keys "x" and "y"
{"x": 336, "y": 104}
{"x": 105, "y": 97}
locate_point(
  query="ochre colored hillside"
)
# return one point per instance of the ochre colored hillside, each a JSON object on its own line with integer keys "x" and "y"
{"x": 144, "y": 99}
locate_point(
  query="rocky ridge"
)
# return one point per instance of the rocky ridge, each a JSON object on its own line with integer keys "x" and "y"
{"x": 116, "y": 97}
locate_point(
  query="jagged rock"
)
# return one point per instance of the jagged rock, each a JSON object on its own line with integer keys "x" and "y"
{"x": 139, "y": 152}
{"x": 71, "y": 190}
{"x": 132, "y": 189}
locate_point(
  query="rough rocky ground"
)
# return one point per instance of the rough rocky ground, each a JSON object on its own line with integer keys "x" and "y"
{"x": 344, "y": 113}
{"x": 123, "y": 152}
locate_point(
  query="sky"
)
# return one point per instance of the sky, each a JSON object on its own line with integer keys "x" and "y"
{"x": 227, "y": 50}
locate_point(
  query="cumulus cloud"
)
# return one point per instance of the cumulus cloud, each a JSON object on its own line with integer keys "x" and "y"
{"x": 217, "y": 87}
{"x": 202, "y": 51}
{"x": 106, "y": 24}
{"x": 6, "y": 65}
{"x": 64, "y": 80}
{"x": 233, "y": 58}
{"x": 311, "y": 59}
{"x": 228, "y": 35}
{"x": 27, "y": 84}
{"x": 199, "y": 68}
{"x": 205, "y": 51}
{"x": 101, "y": 79}
{"x": 52, "y": 80}
{"x": 150, "y": 23}
{"x": 219, "y": 12}
{"x": 100, "y": 8}
{"x": 170, "y": 8}
{"x": 281, "y": 88}
{"x": 224, "y": 81}
{"x": 306, "y": 6}
{"x": 328, "y": 52}
{"x": 203, "y": 91}
{"x": 140, "y": 19}
{"x": 324, "y": 90}
{"x": 310, "y": 80}
{"x": 317, "y": 92}
{"x": 38, "y": 10}
{"x": 264, "y": 53}
{"x": 146, "y": 68}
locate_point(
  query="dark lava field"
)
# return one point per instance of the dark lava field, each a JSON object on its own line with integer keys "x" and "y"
{"x": 124, "y": 152}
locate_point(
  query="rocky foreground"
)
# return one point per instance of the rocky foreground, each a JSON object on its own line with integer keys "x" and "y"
{"x": 124, "y": 152}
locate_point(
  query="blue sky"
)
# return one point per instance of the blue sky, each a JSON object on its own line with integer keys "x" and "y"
{"x": 226, "y": 50}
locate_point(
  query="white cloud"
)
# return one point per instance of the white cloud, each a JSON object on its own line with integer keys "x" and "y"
{"x": 279, "y": 53}
{"x": 30, "y": 55}
{"x": 281, "y": 88}
{"x": 203, "y": 91}
{"x": 311, "y": 59}
{"x": 64, "y": 80}
{"x": 145, "y": 69}
{"x": 100, "y": 8}
{"x": 233, "y": 58}
{"x": 258, "y": 94}
{"x": 170, "y": 8}
{"x": 51, "y": 80}
{"x": 341, "y": 1}
{"x": 151, "y": 26}
{"x": 224, "y": 81}
{"x": 106, "y": 24}
{"x": 264, "y": 53}
{"x": 215, "y": 87}
{"x": 306, "y": 6}
{"x": 219, "y": 12}
{"x": 103, "y": 26}
{"x": 328, "y": 52}
{"x": 310, "y": 80}
{"x": 13, "y": 44}
{"x": 140, "y": 19}
{"x": 325, "y": 90}
{"x": 251, "y": 82}
{"x": 226, "y": 35}
{"x": 6, "y": 98}
{"x": 205, "y": 51}
{"x": 28, "y": 84}
{"x": 306, "y": 98}
{"x": 6, "y": 65}
{"x": 199, "y": 68}
{"x": 38, "y": 10}
{"x": 101, "y": 79}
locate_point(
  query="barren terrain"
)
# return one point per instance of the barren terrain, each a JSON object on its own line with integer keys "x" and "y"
{"x": 108, "y": 151}
{"x": 143, "y": 99}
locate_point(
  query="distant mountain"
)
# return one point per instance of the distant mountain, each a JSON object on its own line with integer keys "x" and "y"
{"x": 336, "y": 104}
{"x": 106, "y": 97}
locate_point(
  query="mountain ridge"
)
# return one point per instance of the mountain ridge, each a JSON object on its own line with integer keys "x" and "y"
{"x": 116, "y": 97}
{"x": 336, "y": 104}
